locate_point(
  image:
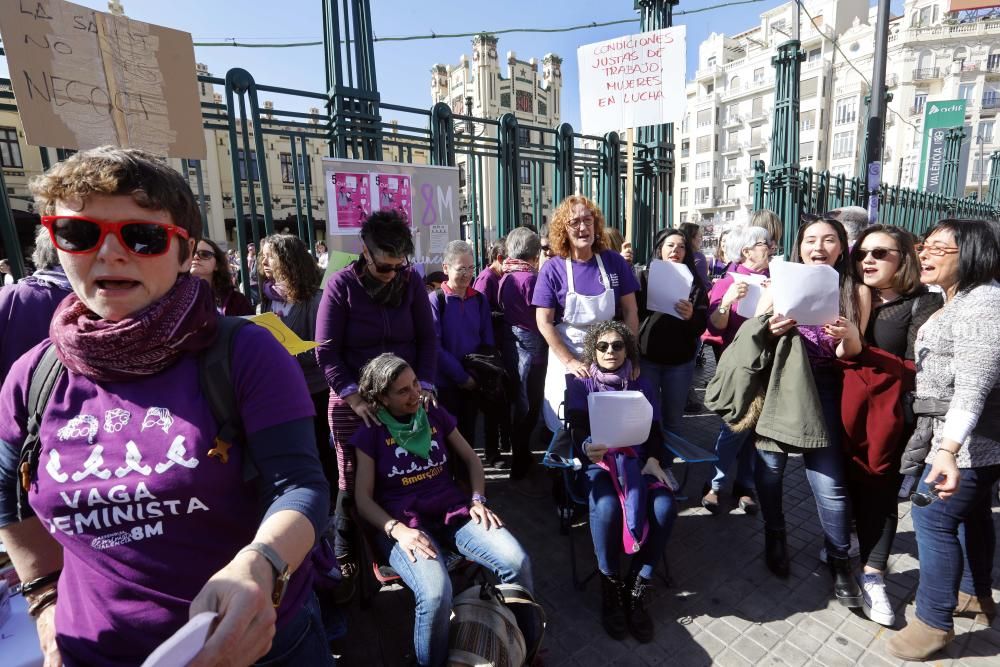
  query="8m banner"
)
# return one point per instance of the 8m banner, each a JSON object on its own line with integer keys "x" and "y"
{"x": 938, "y": 118}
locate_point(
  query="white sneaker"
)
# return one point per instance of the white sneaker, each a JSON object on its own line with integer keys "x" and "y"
{"x": 853, "y": 552}
{"x": 874, "y": 600}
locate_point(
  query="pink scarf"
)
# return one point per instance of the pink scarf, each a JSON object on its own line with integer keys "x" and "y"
{"x": 149, "y": 341}
{"x": 514, "y": 265}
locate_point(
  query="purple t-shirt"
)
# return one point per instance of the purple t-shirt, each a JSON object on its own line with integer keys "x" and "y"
{"x": 144, "y": 515}
{"x": 411, "y": 489}
{"x": 516, "y": 290}
{"x": 488, "y": 282}
{"x": 551, "y": 287}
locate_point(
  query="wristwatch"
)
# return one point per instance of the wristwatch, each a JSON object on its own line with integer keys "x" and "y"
{"x": 281, "y": 573}
{"x": 723, "y": 310}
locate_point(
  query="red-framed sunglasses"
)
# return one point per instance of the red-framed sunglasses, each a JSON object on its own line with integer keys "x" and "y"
{"x": 79, "y": 235}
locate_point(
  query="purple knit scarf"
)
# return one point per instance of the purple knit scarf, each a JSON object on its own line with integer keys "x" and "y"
{"x": 611, "y": 380}
{"x": 184, "y": 320}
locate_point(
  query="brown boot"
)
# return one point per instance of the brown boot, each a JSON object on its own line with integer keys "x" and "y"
{"x": 918, "y": 641}
{"x": 982, "y": 609}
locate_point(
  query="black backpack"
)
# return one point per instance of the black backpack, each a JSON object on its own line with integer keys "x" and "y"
{"x": 215, "y": 377}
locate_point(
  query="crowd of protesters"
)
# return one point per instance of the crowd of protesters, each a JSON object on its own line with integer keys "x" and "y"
{"x": 367, "y": 442}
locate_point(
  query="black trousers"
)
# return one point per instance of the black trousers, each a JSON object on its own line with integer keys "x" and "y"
{"x": 876, "y": 514}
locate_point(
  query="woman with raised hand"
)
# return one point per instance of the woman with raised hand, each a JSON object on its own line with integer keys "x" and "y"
{"x": 958, "y": 353}
{"x": 127, "y": 425}
{"x": 376, "y": 304}
{"x": 885, "y": 261}
{"x": 211, "y": 265}
{"x": 751, "y": 245}
{"x": 584, "y": 283}
{"x": 404, "y": 488}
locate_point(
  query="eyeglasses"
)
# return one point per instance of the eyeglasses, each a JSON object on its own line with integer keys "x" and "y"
{"x": 580, "y": 222}
{"x": 877, "y": 253}
{"x": 615, "y": 345}
{"x": 79, "y": 235}
{"x": 936, "y": 250}
{"x": 204, "y": 254}
{"x": 463, "y": 269}
{"x": 386, "y": 268}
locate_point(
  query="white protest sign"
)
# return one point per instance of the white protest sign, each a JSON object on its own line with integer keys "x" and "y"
{"x": 633, "y": 81}
{"x": 808, "y": 294}
{"x": 619, "y": 418}
{"x": 747, "y": 306}
{"x": 669, "y": 282}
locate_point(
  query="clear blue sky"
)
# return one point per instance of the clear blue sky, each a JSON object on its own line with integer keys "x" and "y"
{"x": 403, "y": 68}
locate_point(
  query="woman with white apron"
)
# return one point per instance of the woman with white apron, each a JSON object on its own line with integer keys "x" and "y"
{"x": 577, "y": 234}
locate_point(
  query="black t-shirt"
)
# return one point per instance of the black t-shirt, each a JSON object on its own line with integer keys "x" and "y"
{"x": 893, "y": 326}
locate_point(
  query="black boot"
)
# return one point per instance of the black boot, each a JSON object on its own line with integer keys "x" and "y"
{"x": 612, "y": 613}
{"x": 845, "y": 586}
{"x": 776, "y": 552}
{"x": 639, "y": 623}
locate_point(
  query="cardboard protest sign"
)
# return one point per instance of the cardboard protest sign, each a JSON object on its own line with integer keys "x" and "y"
{"x": 282, "y": 333}
{"x": 84, "y": 78}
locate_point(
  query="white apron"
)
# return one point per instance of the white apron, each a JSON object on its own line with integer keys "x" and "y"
{"x": 580, "y": 313}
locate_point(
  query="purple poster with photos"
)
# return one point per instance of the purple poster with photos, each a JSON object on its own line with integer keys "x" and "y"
{"x": 394, "y": 194}
{"x": 351, "y": 199}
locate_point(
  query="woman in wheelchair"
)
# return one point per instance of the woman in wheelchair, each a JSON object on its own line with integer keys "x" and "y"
{"x": 633, "y": 509}
{"x": 405, "y": 488}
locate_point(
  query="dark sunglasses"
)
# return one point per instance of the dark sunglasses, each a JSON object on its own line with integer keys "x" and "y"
{"x": 617, "y": 346}
{"x": 79, "y": 235}
{"x": 204, "y": 254}
{"x": 877, "y": 253}
{"x": 386, "y": 268}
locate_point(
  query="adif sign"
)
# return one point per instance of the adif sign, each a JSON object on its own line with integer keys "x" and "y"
{"x": 633, "y": 81}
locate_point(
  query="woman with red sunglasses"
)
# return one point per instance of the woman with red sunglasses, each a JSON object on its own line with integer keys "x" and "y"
{"x": 140, "y": 516}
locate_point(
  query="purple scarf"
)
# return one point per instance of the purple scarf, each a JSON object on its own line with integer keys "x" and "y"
{"x": 275, "y": 292}
{"x": 611, "y": 380}
{"x": 150, "y": 340}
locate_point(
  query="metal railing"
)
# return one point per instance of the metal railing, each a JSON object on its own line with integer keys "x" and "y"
{"x": 925, "y": 73}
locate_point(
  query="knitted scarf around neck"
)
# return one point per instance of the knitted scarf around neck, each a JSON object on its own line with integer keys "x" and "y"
{"x": 611, "y": 380}
{"x": 514, "y": 265}
{"x": 388, "y": 294}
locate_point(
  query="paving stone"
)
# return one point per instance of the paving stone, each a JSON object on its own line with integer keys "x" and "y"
{"x": 789, "y": 655}
{"x": 749, "y": 649}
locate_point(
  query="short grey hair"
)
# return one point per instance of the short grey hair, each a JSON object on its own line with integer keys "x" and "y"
{"x": 770, "y": 221}
{"x": 853, "y": 218}
{"x": 523, "y": 244}
{"x": 743, "y": 238}
{"x": 456, "y": 249}
{"x": 44, "y": 256}
{"x": 378, "y": 376}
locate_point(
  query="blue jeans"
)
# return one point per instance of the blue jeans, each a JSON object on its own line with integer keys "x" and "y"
{"x": 526, "y": 354}
{"x": 671, "y": 383}
{"x": 825, "y": 471}
{"x": 301, "y": 641}
{"x": 732, "y": 446}
{"x": 606, "y": 525}
{"x": 955, "y": 545}
{"x": 497, "y": 549}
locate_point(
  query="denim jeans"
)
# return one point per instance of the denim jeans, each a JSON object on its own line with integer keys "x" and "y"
{"x": 301, "y": 641}
{"x": 606, "y": 525}
{"x": 496, "y": 548}
{"x": 730, "y": 446}
{"x": 955, "y": 545}
{"x": 525, "y": 353}
{"x": 825, "y": 471}
{"x": 671, "y": 383}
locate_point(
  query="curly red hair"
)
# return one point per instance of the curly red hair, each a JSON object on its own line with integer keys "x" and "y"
{"x": 559, "y": 226}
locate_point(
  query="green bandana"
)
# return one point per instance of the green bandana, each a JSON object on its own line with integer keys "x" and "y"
{"x": 414, "y": 437}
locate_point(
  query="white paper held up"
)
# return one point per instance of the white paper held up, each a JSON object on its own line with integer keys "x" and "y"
{"x": 808, "y": 294}
{"x": 669, "y": 282}
{"x": 619, "y": 418}
{"x": 183, "y": 645}
{"x": 747, "y": 306}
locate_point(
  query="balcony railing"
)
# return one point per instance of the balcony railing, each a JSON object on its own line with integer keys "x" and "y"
{"x": 732, "y": 148}
{"x": 924, "y": 73}
{"x": 732, "y": 119}
{"x": 991, "y": 101}
{"x": 807, "y": 125}
{"x": 759, "y": 116}
{"x": 732, "y": 175}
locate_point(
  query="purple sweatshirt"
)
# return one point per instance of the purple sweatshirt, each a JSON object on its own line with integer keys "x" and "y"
{"x": 467, "y": 325}
{"x": 488, "y": 283}
{"x": 351, "y": 330}
{"x": 516, "y": 290}
{"x": 25, "y": 314}
{"x": 715, "y": 300}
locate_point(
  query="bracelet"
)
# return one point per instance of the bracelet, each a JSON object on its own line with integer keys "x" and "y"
{"x": 478, "y": 497}
{"x": 389, "y": 526}
{"x": 45, "y": 600}
{"x": 30, "y": 587}
{"x": 955, "y": 454}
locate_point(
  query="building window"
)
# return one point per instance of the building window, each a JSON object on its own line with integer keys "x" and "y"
{"x": 684, "y": 217}
{"x": 525, "y": 102}
{"x": 843, "y": 145}
{"x": 919, "y": 100}
{"x": 684, "y": 197}
{"x": 523, "y": 136}
{"x": 993, "y": 62}
{"x": 806, "y": 151}
{"x": 525, "y": 172}
{"x": 846, "y": 111}
{"x": 685, "y": 148}
{"x": 243, "y": 165}
{"x": 684, "y": 173}
{"x": 10, "y": 149}
{"x": 701, "y": 196}
{"x": 757, "y": 107}
{"x": 504, "y": 100}
{"x": 730, "y": 216}
{"x": 758, "y": 75}
{"x": 703, "y": 170}
{"x": 543, "y": 108}
{"x": 704, "y": 117}
{"x": 985, "y": 131}
{"x": 286, "y": 168}
{"x": 967, "y": 91}
{"x": 704, "y": 144}
{"x": 809, "y": 87}
{"x": 807, "y": 120}
{"x": 732, "y": 139}
{"x": 814, "y": 55}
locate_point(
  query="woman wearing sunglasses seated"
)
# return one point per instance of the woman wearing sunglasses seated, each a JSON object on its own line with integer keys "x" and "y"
{"x": 377, "y": 304}
{"x": 406, "y": 490}
{"x": 146, "y": 514}
{"x": 610, "y": 352}
{"x": 211, "y": 264}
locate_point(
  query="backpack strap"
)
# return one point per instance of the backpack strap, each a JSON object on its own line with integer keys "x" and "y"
{"x": 43, "y": 380}
{"x": 215, "y": 366}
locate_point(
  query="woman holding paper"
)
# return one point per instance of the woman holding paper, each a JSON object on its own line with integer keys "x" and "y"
{"x": 585, "y": 283}
{"x": 732, "y": 301}
{"x": 668, "y": 341}
{"x": 136, "y": 513}
{"x": 647, "y": 500}
{"x": 820, "y": 242}
{"x": 959, "y": 352}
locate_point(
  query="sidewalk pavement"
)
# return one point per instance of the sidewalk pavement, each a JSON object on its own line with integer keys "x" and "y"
{"x": 723, "y": 608}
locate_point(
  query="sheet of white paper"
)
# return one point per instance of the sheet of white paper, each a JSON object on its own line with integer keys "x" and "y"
{"x": 619, "y": 418}
{"x": 669, "y": 282}
{"x": 747, "y": 306}
{"x": 808, "y": 294}
{"x": 183, "y": 645}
